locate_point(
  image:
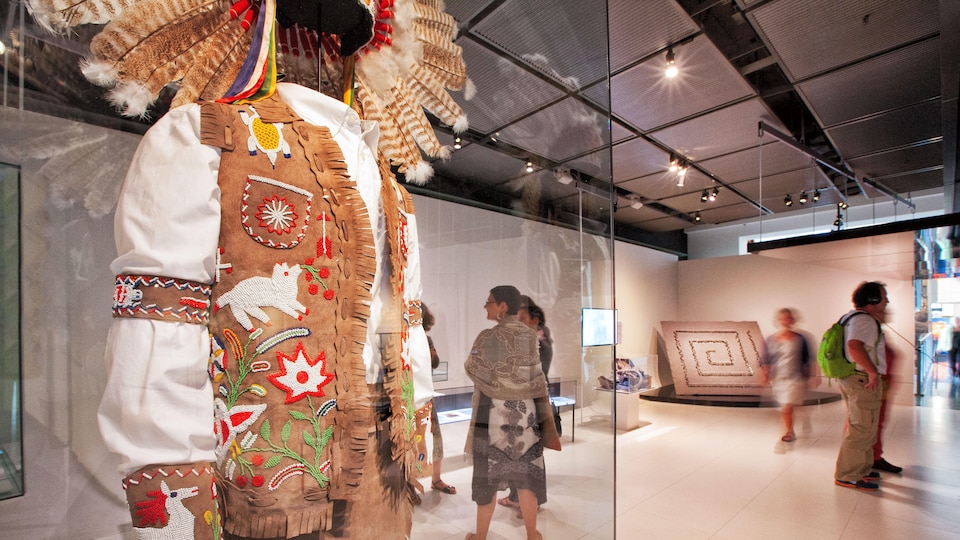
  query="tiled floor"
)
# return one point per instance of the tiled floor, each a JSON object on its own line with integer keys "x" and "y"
{"x": 692, "y": 472}
{"x": 689, "y": 472}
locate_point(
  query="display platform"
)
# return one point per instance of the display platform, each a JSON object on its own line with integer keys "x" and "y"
{"x": 669, "y": 394}
{"x": 628, "y": 408}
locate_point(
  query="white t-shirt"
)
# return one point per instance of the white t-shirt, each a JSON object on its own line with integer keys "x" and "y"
{"x": 864, "y": 327}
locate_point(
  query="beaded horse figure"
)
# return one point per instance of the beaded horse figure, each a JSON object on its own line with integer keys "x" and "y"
{"x": 165, "y": 501}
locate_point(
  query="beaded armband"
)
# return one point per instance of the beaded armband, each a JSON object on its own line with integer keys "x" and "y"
{"x": 160, "y": 298}
{"x": 414, "y": 314}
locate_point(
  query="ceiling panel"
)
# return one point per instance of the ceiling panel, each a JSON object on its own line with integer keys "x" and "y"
{"x": 558, "y": 132}
{"x": 779, "y": 185}
{"x": 619, "y": 132}
{"x": 690, "y": 202}
{"x": 540, "y": 32}
{"x": 774, "y": 157}
{"x": 827, "y": 203}
{"x": 731, "y": 212}
{"x": 540, "y": 187}
{"x": 627, "y": 214}
{"x": 663, "y": 224}
{"x": 901, "y": 127}
{"x": 663, "y": 184}
{"x": 907, "y": 75}
{"x": 636, "y": 158}
{"x": 896, "y": 161}
{"x": 720, "y": 132}
{"x": 915, "y": 182}
{"x": 481, "y": 165}
{"x": 642, "y": 95}
{"x": 841, "y": 31}
{"x": 596, "y": 164}
{"x": 507, "y": 91}
{"x": 599, "y": 94}
{"x": 464, "y": 10}
{"x": 627, "y": 45}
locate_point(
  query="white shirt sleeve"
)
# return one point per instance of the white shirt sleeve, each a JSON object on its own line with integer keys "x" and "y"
{"x": 419, "y": 346}
{"x": 157, "y": 406}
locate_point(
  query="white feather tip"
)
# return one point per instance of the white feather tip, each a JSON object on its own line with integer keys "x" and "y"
{"x": 98, "y": 72}
{"x": 445, "y": 153}
{"x": 470, "y": 90}
{"x": 419, "y": 174}
{"x": 49, "y": 21}
{"x": 132, "y": 99}
{"x": 461, "y": 124}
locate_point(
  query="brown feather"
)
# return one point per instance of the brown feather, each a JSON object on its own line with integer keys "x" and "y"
{"x": 170, "y": 49}
{"x": 224, "y": 50}
{"x": 434, "y": 97}
{"x": 60, "y": 15}
{"x": 135, "y": 26}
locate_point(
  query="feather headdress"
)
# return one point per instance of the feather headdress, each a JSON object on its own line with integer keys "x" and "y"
{"x": 222, "y": 51}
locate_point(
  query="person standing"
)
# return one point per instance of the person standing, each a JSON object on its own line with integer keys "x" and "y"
{"x": 511, "y": 421}
{"x": 532, "y": 315}
{"x": 954, "y": 346}
{"x": 879, "y": 462}
{"x": 437, "y": 484}
{"x": 786, "y": 368}
{"x": 862, "y": 391}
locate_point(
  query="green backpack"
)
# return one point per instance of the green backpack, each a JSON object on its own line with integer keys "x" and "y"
{"x": 831, "y": 355}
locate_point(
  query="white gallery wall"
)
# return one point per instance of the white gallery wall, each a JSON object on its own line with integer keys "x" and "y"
{"x": 753, "y": 287}
{"x": 467, "y": 251}
{"x": 647, "y": 284}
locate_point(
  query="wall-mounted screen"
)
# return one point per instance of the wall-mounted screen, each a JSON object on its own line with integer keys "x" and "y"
{"x": 599, "y": 327}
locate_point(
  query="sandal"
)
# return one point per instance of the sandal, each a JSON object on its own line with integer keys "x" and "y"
{"x": 508, "y": 503}
{"x": 444, "y": 487}
{"x": 789, "y": 437}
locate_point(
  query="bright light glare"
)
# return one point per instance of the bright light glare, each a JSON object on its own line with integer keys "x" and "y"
{"x": 671, "y": 71}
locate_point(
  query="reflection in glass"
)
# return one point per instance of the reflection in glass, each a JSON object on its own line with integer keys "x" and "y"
{"x": 11, "y": 449}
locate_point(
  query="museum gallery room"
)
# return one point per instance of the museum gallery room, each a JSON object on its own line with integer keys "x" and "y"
{"x": 660, "y": 177}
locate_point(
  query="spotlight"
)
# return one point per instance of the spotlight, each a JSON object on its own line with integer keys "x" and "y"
{"x": 635, "y": 202}
{"x": 787, "y": 201}
{"x": 529, "y": 166}
{"x": 671, "y": 70}
{"x": 713, "y": 194}
{"x": 457, "y": 143}
{"x": 842, "y": 205}
{"x": 704, "y": 197}
{"x": 674, "y": 163}
{"x": 696, "y": 217}
{"x": 803, "y": 197}
{"x": 816, "y": 195}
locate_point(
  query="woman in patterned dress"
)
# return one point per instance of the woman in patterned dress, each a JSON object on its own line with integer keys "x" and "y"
{"x": 511, "y": 422}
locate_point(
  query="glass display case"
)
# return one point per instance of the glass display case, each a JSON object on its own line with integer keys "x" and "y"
{"x": 525, "y": 198}
{"x": 11, "y": 423}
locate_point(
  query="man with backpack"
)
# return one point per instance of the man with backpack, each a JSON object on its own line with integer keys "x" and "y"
{"x": 862, "y": 390}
